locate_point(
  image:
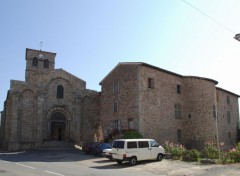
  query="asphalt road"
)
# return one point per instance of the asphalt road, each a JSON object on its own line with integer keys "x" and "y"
{"x": 75, "y": 162}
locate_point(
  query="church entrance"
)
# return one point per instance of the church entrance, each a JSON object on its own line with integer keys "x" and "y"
{"x": 58, "y": 125}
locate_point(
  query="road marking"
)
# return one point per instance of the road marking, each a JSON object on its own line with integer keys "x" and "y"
{"x": 54, "y": 173}
{"x": 25, "y": 165}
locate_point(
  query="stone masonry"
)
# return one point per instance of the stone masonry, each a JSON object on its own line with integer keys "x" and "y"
{"x": 167, "y": 106}
{"x": 53, "y": 108}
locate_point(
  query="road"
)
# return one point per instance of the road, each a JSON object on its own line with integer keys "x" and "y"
{"x": 74, "y": 162}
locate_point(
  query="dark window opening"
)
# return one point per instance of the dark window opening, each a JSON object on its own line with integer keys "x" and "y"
{"x": 179, "y": 135}
{"x": 46, "y": 63}
{"x": 178, "y": 89}
{"x": 228, "y": 117}
{"x": 60, "y": 91}
{"x": 228, "y": 100}
{"x": 151, "y": 83}
{"x": 115, "y": 107}
{"x": 178, "y": 111}
{"x": 35, "y": 61}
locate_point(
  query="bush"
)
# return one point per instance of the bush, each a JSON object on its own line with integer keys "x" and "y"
{"x": 132, "y": 135}
{"x": 175, "y": 149}
{"x": 211, "y": 150}
{"x": 191, "y": 155}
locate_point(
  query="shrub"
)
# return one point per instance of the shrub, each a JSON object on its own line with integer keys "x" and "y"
{"x": 211, "y": 150}
{"x": 234, "y": 154}
{"x": 132, "y": 135}
{"x": 175, "y": 149}
{"x": 191, "y": 155}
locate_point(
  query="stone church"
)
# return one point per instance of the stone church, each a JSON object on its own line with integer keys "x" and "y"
{"x": 50, "y": 108}
{"x": 53, "y": 108}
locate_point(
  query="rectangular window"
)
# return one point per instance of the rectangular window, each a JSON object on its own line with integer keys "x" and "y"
{"x": 178, "y": 89}
{"x": 132, "y": 144}
{"x": 143, "y": 144}
{"x": 117, "y": 125}
{"x": 178, "y": 111}
{"x": 116, "y": 87}
{"x": 217, "y": 95}
{"x": 229, "y": 135}
{"x": 115, "y": 106}
{"x": 214, "y": 112}
{"x": 179, "y": 136}
{"x": 228, "y": 117}
{"x": 228, "y": 100}
{"x": 130, "y": 123}
{"x": 150, "y": 83}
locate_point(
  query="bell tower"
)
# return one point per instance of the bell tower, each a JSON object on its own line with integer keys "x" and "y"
{"x": 38, "y": 62}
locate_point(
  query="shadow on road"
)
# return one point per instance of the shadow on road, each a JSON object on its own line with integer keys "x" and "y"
{"x": 46, "y": 155}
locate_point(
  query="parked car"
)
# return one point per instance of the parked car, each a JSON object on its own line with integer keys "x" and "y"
{"x": 133, "y": 150}
{"x": 101, "y": 147}
{"x": 90, "y": 147}
{"x": 107, "y": 153}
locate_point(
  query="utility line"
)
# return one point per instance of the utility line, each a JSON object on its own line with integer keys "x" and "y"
{"x": 216, "y": 21}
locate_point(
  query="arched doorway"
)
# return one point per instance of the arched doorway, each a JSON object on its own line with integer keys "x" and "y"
{"x": 58, "y": 127}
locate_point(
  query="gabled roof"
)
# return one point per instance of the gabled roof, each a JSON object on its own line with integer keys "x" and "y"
{"x": 156, "y": 68}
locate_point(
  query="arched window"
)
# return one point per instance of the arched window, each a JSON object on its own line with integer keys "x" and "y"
{"x": 35, "y": 61}
{"x": 46, "y": 63}
{"x": 60, "y": 91}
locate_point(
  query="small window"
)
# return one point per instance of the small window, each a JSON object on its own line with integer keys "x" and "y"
{"x": 214, "y": 112}
{"x": 35, "y": 61}
{"x": 116, "y": 87}
{"x": 150, "y": 83}
{"x": 178, "y": 89}
{"x": 228, "y": 100}
{"x": 115, "y": 106}
{"x": 117, "y": 125}
{"x": 46, "y": 63}
{"x": 60, "y": 91}
{"x": 132, "y": 144}
{"x": 228, "y": 117}
{"x": 178, "y": 111}
{"x": 229, "y": 135}
{"x": 217, "y": 95}
{"x": 130, "y": 123}
{"x": 179, "y": 136}
{"x": 143, "y": 144}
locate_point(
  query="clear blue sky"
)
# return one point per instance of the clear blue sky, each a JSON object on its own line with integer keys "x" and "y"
{"x": 91, "y": 36}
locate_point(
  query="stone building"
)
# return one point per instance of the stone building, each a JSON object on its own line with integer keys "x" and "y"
{"x": 50, "y": 108}
{"x": 167, "y": 106}
{"x": 53, "y": 107}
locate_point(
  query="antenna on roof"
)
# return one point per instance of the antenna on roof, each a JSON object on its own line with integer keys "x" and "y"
{"x": 41, "y": 45}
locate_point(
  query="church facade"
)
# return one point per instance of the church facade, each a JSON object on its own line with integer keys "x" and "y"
{"x": 53, "y": 108}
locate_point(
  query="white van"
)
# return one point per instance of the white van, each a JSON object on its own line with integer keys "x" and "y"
{"x": 133, "y": 150}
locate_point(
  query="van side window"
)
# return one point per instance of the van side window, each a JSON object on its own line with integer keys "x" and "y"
{"x": 132, "y": 144}
{"x": 118, "y": 144}
{"x": 143, "y": 144}
{"x": 154, "y": 144}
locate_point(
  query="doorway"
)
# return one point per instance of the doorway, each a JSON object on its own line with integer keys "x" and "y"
{"x": 58, "y": 125}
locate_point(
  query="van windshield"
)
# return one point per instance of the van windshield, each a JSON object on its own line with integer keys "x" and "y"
{"x": 118, "y": 144}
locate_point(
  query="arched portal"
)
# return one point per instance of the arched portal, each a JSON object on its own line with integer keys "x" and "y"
{"x": 58, "y": 126}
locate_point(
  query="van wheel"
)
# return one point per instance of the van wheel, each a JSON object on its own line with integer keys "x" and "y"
{"x": 159, "y": 157}
{"x": 119, "y": 161}
{"x": 133, "y": 161}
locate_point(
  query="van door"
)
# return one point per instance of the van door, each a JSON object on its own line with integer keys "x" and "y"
{"x": 154, "y": 149}
{"x": 144, "y": 150}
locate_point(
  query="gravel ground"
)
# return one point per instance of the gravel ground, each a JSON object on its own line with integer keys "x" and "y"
{"x": 180, "y": 168}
